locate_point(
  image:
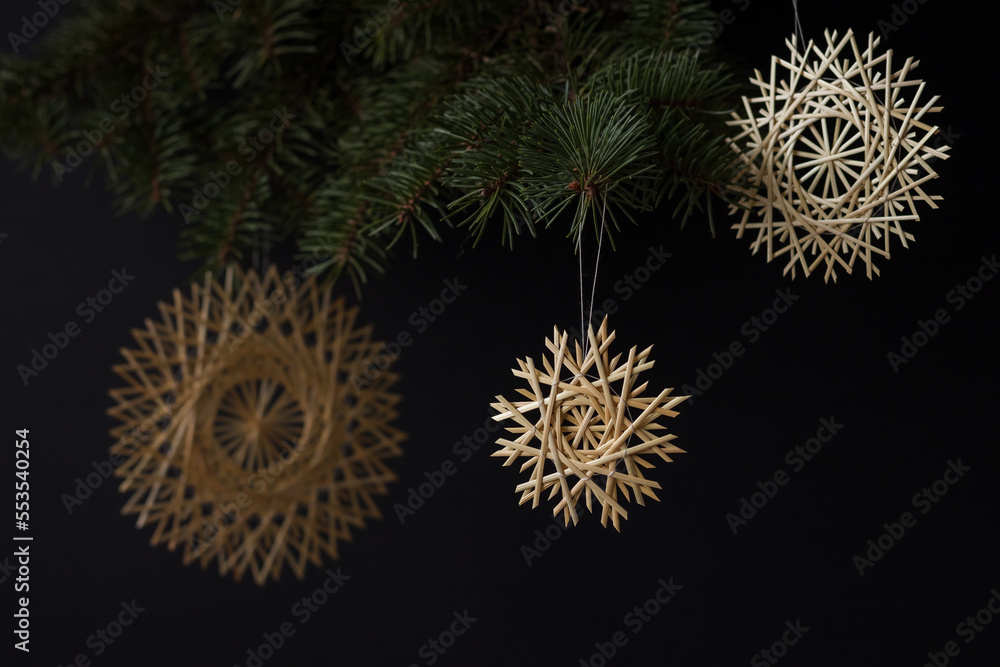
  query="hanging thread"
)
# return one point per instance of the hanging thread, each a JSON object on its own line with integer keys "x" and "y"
{"x": 798, "y": 24}
{"x": 593, "y": 287}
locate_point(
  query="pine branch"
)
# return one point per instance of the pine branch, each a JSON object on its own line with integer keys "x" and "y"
{"x": 423, "y": 115}
{"x": 595, "y": 152}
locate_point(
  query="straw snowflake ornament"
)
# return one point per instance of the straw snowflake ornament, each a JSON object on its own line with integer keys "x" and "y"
{"x": 590, "y": 428}
{"x": 835, "y": 155}
{"x": 250, "y": 438}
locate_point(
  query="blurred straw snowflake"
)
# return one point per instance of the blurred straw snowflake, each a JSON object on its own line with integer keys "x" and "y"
{"x": 250, "y": 438}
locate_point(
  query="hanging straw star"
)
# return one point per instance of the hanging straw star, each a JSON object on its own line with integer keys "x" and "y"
{"x": 592, "y": 429}
{"x": 254, "y": 430}
{"x": 835, "y": 155}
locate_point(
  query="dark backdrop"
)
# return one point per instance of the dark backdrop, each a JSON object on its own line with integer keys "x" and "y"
{"x": 734, "y": 595}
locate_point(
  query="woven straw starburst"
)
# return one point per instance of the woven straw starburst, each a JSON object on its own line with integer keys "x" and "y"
{"x": 835, "y": 153}
{"x": 591, "y": 427}
{"x": 254, "y": 428}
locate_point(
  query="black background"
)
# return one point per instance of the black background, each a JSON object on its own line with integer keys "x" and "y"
{"x": 826, "y": 357}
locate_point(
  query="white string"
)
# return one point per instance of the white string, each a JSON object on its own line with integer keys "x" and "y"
{"x": 255, "y": 251}
{"x": 584, "y": 324}
{"x": 593, "y": 291}
{"x": 597, "y": 264}
{"x": 579, "y": 253}
{"x": 798, "y": 24}
{"x": 260, "y": 252}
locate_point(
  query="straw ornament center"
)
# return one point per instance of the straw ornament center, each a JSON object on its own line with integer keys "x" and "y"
{"x": 257, "y": 422}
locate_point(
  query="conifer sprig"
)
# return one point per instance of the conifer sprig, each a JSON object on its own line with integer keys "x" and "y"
{"x": 343, "y": 127}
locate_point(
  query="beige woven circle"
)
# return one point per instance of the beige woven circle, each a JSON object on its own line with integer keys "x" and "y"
{"x": 593, "y": 427}
{"x": 254, "y": 426}
{"x": 835, "y": 153}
